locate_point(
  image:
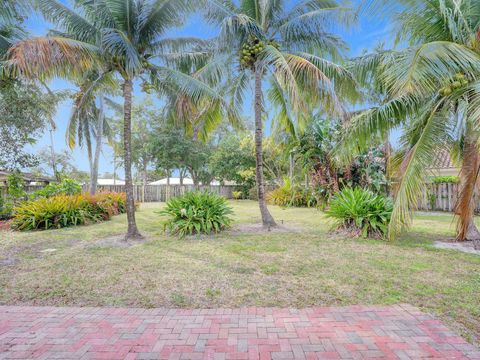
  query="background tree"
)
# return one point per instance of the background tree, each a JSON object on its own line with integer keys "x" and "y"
{"x": 25, "y": 111}
{"x": 88, "y": 125}
{"x": 264, "y": 38}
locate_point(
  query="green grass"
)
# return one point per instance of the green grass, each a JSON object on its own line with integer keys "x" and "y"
{"x": 304, "y": 267}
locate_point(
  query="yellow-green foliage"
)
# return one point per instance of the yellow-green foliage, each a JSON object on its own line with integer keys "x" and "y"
{"x": 237, "y": 195}
{"x": 290, "y": 195}
{"x": 67, "y": 210}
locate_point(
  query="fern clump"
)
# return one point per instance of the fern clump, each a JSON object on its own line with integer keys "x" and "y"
{"x": 197, "y": 213}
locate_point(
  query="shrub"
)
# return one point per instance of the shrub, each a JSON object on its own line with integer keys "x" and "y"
{"x": 197, "y": 213}
{"x": 66, "y": 210}
{"x": 290, "y": 195}
{"x": 237, "y": 195}
{"x": 65, "y": 187}
{"x": 253, "y": 193}
{"x": 15, "y": 194}
{"x": 444, "y": 179}
{"x": 361, "y": 212}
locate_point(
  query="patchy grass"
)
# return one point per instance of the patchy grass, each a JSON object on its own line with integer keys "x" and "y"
{"x": 306, "y": 266}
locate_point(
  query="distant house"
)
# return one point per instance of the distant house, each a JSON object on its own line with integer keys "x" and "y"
{"x": 110, "y": 182}
{"x": 28, "y": 178}
{"x": 173, "y": 181}
{"x": 443, "y": 165}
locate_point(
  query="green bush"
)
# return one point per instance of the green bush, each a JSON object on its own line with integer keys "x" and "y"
{"x": 253, "y": 193}
{"x": 296, "y": 196}
{"x": 361, "y": 212}
{"x": 67, "y": 210}
{"x": 15, "y": 194}
{"x": 65, "y": 187}
{"x": 445, "y": 179}
{"x": 197, "y": 213}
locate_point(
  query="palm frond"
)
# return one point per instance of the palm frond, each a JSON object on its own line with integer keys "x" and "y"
{"x": 48, "y": 57}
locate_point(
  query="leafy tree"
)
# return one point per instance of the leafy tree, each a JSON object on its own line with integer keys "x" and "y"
{"x": 433, "y": 93}
{"x": 266, "y": 38}
{"x": 232, "y": 156}
{"x": 118, "y": 38}
{"x": 25, "y": 110}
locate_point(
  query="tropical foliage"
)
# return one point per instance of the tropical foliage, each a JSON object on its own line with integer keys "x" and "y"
{"x": 67, "y": 210}
{"x": 431, "y": 90}
{"x": 290, "y": 47}
{"x": 360, "y": 212}
{"x": 112, "y": 39}
{"x": 197, "y": 213}
{"x": 295, "y": 195}
{"x": 65, "y": 187}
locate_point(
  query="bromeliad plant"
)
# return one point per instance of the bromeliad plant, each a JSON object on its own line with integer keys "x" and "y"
{"x": 197, "y": 213}
{"x": 361, "y": 212}
{"x": 67, "y": 210}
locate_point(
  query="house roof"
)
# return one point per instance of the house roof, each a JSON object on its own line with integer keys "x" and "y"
{"x": 110, "y": 182}
{"x": 28, "y": 177}
{"x": 173, "y": 181}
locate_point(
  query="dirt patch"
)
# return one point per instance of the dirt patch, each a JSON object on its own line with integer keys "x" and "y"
{"x": 10, "y": 261}
{"x": 260, "y": 229}
{"x": 115, "y": 241}
{"x": 464, "y": 246}
{"x": 5, "y": 225}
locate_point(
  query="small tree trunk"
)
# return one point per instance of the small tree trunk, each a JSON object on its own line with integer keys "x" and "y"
{"x": 98, "y": 148}
{"x": 267, "y": 219}
{"x": 291, "y": 167}
{"x": 132, "y": 232}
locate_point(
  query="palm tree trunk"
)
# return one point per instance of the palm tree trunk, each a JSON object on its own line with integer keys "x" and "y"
{"x": 132, "y": 232}
{"x": 98, "y": 148}
{"x": 465, "y": 207}
{"x": 267, "y": 219}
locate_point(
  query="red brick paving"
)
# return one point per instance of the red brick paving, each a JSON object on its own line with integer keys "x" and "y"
{"x": 355, "y": 332}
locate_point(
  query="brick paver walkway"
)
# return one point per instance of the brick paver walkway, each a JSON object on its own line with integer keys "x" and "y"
{"x": 393, "y": 332}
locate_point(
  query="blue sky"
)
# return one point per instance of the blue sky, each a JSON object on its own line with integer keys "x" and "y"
{"x": 365, "y": 35}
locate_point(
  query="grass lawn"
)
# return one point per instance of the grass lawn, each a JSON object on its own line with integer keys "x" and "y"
{"x": 298, "y": 268}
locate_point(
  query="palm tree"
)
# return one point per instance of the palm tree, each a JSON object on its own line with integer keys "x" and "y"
{"x": 432, "y": 91}
{"x": 121, "y": 37}
{"x": 264, "y": 38}
{"x": 88, "y": 123}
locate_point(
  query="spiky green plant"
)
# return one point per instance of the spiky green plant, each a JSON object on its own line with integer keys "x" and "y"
{"x": 361, "y": 211}
{"x": 197, "y": 213}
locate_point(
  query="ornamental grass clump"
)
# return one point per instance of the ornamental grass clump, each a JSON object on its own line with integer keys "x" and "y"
{"x": 361, "y": 212}
{"x": 67, "y": 210}
{"x": 197, "y": 213}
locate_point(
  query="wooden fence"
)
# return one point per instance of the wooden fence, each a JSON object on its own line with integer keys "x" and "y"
{"x": 149, "y": 193}
{"x": 440, "y": 197}
{"x": 437, "y": 197}
{"x": 155, "y": 193}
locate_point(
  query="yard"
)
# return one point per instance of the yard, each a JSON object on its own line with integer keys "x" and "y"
{"x": 298, "y": 266}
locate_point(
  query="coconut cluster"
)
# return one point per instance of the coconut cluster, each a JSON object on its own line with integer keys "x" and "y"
{"x": 251, "y": 50}
{"x": 459, "y": 80}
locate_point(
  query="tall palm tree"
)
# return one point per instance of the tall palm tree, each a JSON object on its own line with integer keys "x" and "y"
{"x": 433, "y": 93}
{"x": 88, "y": 125}
{"x": 121, "y": 37}
{"x": 293, "y": 47}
